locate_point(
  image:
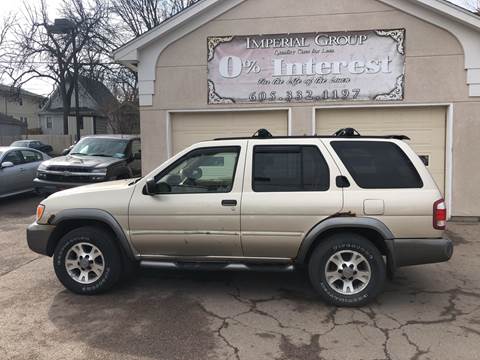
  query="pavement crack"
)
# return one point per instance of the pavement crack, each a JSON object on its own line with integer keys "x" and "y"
{"x": 223, "y": 325}
{"x": 418, "y": 351}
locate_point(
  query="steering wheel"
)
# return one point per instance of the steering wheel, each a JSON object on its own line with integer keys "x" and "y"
{"x": 191, "y": 176}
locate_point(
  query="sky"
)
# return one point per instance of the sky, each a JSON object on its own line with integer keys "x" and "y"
{"x": 44, "y": 86}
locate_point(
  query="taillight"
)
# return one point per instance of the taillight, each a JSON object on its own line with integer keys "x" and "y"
{"x": 439, "y": 214}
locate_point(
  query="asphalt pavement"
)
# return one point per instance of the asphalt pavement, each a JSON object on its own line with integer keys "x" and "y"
{"x": 427, "y": 312}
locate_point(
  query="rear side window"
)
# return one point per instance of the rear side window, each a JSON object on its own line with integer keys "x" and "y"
{"x": 377, "y": 164}
{"x": 289, "y": 168}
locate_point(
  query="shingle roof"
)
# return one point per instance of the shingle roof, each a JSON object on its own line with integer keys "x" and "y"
{"x": 95, "y": 89}
{"x": 8, "y": 89}
{"x": 7, "y": 119}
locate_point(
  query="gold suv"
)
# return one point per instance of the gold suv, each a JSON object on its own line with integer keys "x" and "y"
{"x": 349, "y": 208}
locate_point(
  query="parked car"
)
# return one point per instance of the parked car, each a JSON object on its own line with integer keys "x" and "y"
{"x": 349, "y": 208}
{"x": 33, "y": 144}
{"x": 18, "y": 167}
{"x": 93, "y": 159}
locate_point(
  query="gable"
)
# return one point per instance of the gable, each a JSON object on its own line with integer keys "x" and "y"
{"x": 456, "y": 30}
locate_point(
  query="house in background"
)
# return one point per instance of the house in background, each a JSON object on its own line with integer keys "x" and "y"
{"x": 10, "y": 127}
{"x": 95, "y": 102}
{"x": 22, "y": 105}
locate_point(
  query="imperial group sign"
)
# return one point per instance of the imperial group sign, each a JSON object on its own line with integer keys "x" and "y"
{"x": 309, "y": 67}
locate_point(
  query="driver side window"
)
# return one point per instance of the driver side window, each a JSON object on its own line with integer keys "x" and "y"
{"x": 208, "y": 170}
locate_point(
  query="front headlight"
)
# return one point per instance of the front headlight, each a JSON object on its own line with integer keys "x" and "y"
{"x": 100, "y": 171}
{"x": 42, "y": 166}
{"x": 40, "y": 211}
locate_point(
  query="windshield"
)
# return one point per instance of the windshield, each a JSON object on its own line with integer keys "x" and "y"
{"x": 20, "y": 143}
{"x": 101, "y": 147}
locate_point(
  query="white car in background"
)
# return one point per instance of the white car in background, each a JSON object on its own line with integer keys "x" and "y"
{"x": 18, "y": 168}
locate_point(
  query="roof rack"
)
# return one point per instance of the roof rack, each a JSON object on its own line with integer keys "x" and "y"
{"x": 341, "y": 133}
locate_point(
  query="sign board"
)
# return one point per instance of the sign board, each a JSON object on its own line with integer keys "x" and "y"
{"x": 308, "y": 67}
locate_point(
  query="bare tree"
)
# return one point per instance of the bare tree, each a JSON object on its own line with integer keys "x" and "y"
{"x": 6, "y": 25}
{"x": 139, "y": 16}
{"x": 44, "y": 54}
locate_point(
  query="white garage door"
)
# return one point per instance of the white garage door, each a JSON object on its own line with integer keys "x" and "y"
{"x": 189, "y": 128}
{"x": 424, "y": 126}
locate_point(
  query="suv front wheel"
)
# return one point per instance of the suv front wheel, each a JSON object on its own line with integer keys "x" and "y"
{"x": 346, "y": 269}
{"x": 86, "y": 260}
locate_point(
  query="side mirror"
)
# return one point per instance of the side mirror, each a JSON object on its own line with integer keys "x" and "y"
{"x": 65, "y": 151}
{"x": 137, "y": 156}
{"x": 163, "y": 188}
{"x": 151, "y": 187}
{"x": 6, "y": 164}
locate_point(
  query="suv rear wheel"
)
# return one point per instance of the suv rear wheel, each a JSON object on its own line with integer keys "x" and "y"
{"x": 347, "y": 270}
{"x": 86, "y": 260}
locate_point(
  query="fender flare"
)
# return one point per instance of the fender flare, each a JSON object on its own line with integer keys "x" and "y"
{"x": 101, "y": 216}
{"x": 344, "y": 223}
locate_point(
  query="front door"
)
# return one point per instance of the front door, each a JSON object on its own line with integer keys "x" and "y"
{"x": 195, "y": 210}
{"x": 13, "y": 178}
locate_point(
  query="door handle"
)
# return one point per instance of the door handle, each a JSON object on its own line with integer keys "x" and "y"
{"x": 229, "y": 202}
{"x": 22, "y": 169}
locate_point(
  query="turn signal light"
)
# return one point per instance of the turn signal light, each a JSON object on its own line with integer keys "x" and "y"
{"x": 40, "y": 210}
{"x": 439, "y": 214}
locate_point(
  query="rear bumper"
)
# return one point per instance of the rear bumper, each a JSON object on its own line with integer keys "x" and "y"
{"x": 38, "y": 237}
{"x": 406, "y": 252}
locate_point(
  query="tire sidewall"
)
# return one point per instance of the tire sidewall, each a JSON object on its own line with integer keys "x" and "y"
{"x": 351, "y": 242}
{"x": 100, "y": 239}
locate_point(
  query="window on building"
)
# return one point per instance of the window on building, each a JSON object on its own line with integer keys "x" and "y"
{"x": 49, "y": 122}
{"x": 377, "y": 164}
{"x": 282, "y": 168}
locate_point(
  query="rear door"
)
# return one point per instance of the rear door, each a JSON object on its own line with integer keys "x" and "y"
{"x": 288, "y": 189}
{"x": 30, "y": 163}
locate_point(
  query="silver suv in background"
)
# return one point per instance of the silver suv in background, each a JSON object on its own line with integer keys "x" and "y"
{"x": 348, "y": 208}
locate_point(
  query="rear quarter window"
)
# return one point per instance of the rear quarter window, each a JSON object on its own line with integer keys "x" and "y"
{"x": 377, "y": 164}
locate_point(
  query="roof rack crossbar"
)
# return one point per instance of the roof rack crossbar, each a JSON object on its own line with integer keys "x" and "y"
{"x": 342, "y": 133}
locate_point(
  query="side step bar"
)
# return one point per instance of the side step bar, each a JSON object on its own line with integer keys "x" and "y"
{"x": 215, "y": 266}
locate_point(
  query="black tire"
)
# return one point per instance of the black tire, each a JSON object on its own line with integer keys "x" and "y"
{"x": 111, "y": 260}
{"x": 344, "y": 244}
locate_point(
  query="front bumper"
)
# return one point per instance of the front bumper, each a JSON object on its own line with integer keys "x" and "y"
{"x": 406, "y": 252}
{"x": 38, "y": 238}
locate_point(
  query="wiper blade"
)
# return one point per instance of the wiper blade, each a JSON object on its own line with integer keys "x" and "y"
{"x": 104, "y": 155}
{"x": 77, "y": 154}
{"x": 135, "y": 181}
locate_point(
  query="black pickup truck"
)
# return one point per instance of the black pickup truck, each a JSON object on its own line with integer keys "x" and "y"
{"x": 93, "y": 159}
